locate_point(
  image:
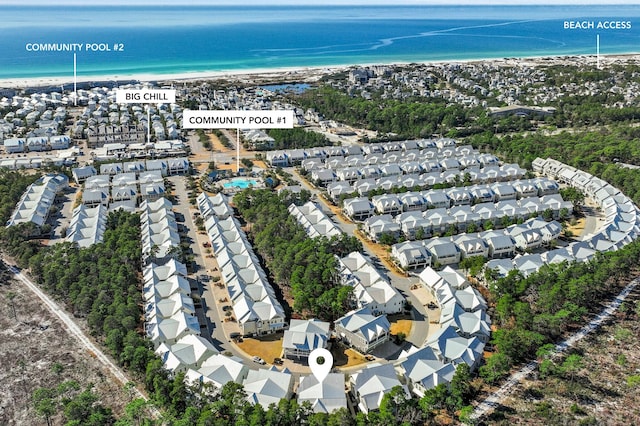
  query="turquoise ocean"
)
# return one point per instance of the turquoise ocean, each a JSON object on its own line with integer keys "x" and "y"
{"x": 169, "y": 40}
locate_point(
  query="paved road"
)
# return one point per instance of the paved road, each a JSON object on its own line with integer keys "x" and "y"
{"x": 495, "y": 399}
{"x": 420, "y": 329}
{"x": 77, "y": 332}
{"x": 213, "y": 313}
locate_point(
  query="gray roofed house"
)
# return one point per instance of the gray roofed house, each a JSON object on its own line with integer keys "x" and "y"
{"x": 457, "y": 349}
{"x": 436, "y": 199}
{"x": 501, "y": 266}
{"x": 268, "y": 386}
{"x": 471, "y": 246}
{"x": 336, "y": 189}
{"x": 323, "y": 177}
{"x": 443, "y": 251}
{"x": 377, "y": 226}
{"x": 326, "y": 396}
{"x": 528, "y": 263}
{"x": 358, "y": 209}
{"x": 387, "y": 204}
{"x": 80, "y": 174}
{"x": 412, "y": 201}
{"x": 363, "y": 330}
{"x": 304, "y": 336}
{"x": 370, "y": 384}
{"x": 411, "y": 255}
{"x": 426, "y": 369}
{"x": 501, "y": 246}
{"x": 504, "y": 191}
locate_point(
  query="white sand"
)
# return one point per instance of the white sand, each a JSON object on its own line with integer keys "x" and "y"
{"x": 295, "y": 73}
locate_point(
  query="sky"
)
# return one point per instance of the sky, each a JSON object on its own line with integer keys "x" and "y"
{"x": 310, "y": 2}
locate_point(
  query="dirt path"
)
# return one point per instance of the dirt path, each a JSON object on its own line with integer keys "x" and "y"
{"x": 497, "y": 397}
{"x": 74, "y": 330}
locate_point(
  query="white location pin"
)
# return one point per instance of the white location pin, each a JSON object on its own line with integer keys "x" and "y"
{"x": 321, "y": 363}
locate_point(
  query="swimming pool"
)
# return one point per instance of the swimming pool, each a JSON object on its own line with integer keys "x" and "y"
{"x": 241, "y": 183}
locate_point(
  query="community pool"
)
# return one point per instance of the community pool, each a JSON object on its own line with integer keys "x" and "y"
{"x": 241, "y": 183}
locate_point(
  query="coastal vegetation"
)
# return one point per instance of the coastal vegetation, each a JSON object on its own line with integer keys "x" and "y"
{"x": 296, "y": 138}
{"x": 303, "y": 268}
{"x": 399, "y": 119}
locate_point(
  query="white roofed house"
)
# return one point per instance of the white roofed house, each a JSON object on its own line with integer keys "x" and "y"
{"x": 177, "y": 166}
{"x": 170, "y": 330}
{"x": 363, "y": 330}
{"x": 457, "y": 349}
{"x": 13, "y": 145}
{"x": 348, "y": 174}
{"x": 220, "y": 369}
{"x": 426, "y": 369}
{"x": 411, "y": 255}
{"x": 412, "y": 201}
{"x": 471, "y": 246}
{"x": 326, "y": 396}
{"x": 370, "y": 288}
{"x": 437, "y": 199}
{"x": 459, "y": 196}
{"x": 314, "y": 221}
{"x": 268, "y": 386}
{"x": 443, "y": 251}
{"x": 500, "y": 246}
{"x": 277, "y": 158}
{"x": 525, "y": 188}
{"x": 358, "y": 209}
{"x": 378, "y": 226}
{"x": 504, "y": 191}
{"x": 36, "y": 144}
{"x": 192, "y": 350}
{"x": 414, "y": 226}
{"x": 387, "y": 204}
{"x": 482, "y": 194}
{"x": 365, "y": 186}
{"x": 160, "y": 237}
{"x": 304, "y": 336}
{"x": 525, "y": 238}
{"x": 87, "y": 225}
{"x": 528, "y": 263}
{"x": 59, "y": 142}
{"x": 36, "y": 201}
{"x": 337, "y": 189}
{"x": 80, "y": 174}
{"x": 323, "y": 177}
{"x": 370, "y": 384}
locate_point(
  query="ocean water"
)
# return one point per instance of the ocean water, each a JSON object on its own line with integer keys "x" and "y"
{"x": 168, "y": 40}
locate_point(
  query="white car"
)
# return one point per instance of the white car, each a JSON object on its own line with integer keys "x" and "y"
{"x": 259, "y": 360}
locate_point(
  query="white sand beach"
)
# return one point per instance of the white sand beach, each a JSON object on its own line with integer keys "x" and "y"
{"x": 301, "y": 74}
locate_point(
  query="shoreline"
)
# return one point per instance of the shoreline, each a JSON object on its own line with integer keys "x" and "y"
{"x": 301, "y": 73}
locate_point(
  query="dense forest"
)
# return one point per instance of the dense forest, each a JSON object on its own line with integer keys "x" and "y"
{"x": 296, "y": 138}
{"x": 302, "y": 266}
{"x": 405, "y": 119}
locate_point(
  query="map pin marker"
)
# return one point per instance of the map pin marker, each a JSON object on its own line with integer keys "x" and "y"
{"x": 321, "y": 362}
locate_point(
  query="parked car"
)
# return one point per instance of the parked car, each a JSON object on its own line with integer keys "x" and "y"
{"x": 259, "y": 360}
{"x": 278, "y": 361}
